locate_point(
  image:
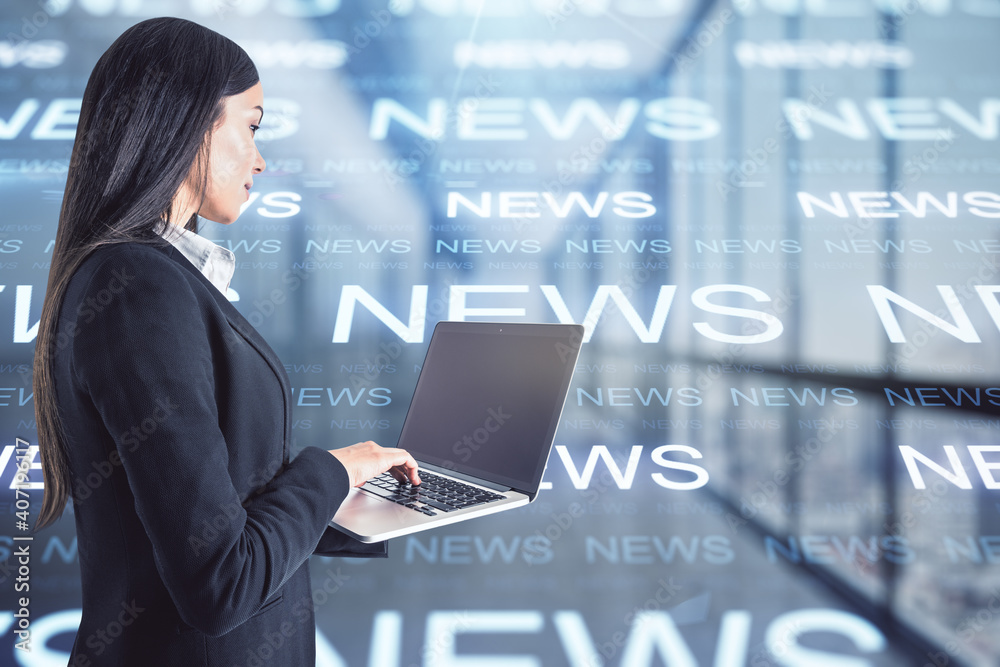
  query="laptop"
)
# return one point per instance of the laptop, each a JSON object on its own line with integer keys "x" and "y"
{"x": 480, "y": 425}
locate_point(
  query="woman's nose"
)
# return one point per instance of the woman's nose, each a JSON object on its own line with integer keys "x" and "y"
{"x": 258, "y": 164}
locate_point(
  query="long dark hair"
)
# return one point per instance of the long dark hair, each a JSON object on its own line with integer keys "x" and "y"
{"x": 149, "y": 106}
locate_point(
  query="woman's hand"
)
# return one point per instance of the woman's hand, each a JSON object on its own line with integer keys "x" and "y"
{"x": 367, "y": 459}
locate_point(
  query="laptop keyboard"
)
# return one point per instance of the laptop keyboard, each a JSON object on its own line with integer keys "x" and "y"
{"x": 435, "y": 493}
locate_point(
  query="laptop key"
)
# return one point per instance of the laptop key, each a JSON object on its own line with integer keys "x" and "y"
{"x": 378, "y": 491}
{"x": 440, "y": 506}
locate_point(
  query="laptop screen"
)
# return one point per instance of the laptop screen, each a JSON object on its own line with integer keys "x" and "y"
{"x": 489, "y": 398}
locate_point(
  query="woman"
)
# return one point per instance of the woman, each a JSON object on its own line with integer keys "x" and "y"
{"x": 160, "y": 410}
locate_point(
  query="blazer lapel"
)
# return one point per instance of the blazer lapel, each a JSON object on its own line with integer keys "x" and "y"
{"x": 245, "y": 329}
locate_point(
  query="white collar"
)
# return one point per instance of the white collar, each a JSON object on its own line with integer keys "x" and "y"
{"x": 217, "y": 263}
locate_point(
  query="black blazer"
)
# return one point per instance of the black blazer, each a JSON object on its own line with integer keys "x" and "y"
{"x": 194, "y": 528}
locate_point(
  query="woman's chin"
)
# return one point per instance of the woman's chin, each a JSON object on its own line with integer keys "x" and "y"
{"x": 220, "y": 218}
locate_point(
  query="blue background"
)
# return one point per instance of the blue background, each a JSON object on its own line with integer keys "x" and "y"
{"x": 729, "y": 487}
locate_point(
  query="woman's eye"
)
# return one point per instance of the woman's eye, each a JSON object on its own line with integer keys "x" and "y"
{"x": 254, "y": 128}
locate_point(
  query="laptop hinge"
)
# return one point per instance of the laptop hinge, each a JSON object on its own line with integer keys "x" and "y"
{"x": 468, "y": 478}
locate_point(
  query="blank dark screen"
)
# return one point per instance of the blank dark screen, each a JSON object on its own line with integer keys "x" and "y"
{"x": 489, "y": 399}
